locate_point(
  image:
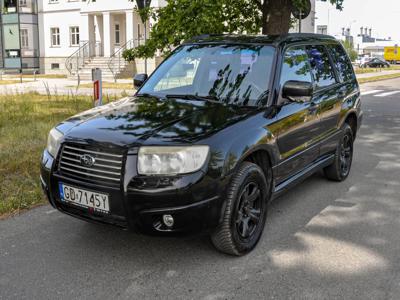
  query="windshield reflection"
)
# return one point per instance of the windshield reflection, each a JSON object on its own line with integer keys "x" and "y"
{"x": 233, "y": 74}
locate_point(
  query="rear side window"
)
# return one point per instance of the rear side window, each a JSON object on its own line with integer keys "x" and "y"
{"x": 295, "y": 65}
{"x": 342, "y": 62}
{"x": 321, "y": 67}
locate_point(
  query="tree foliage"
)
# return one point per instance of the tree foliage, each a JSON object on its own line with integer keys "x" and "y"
{"x": 180, "y": 20}
{"x": 350, "y": 50}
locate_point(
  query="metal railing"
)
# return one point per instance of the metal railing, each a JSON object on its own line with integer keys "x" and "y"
{"x": 116, "y": 62}
{"x": 78, "y": 59}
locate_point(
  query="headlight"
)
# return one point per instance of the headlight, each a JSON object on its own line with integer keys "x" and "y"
{"x": 171, "y": 160}
{"x": 53, "y": 142}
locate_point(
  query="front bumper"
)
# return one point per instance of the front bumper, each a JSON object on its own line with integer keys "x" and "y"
{"x": 194, "y": 201}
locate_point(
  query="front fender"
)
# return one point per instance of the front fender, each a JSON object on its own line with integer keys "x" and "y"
{"x": 246, "y": 144}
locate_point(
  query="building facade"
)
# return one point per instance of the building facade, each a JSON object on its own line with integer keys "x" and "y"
{"x": 100, "y": 28}
{"x": 19, "y": 35}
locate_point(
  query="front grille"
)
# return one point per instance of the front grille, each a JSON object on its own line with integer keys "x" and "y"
{"x": 106, "y": 169}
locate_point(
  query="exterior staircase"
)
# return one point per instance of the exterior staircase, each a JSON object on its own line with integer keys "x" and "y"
{"x": 125, "y": 69}
{"x": 83, "y": 60}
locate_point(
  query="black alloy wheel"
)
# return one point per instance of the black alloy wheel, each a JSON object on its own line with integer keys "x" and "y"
{"x": 248, "y": 212}
{"x": 346, "y": 154}
{"x": 339, "y": 170}
{"x": 245, "y": 211}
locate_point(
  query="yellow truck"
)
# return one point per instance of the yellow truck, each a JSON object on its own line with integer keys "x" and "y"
{"x": 392, "y": 54}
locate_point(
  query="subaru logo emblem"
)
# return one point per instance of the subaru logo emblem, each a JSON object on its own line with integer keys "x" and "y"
{"x": 87, "y": 160}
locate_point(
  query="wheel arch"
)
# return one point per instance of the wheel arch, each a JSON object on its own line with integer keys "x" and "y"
{"x": 262, "y": 158}
{"x": 262, "y": 155}
{"x": 352, "y": 120}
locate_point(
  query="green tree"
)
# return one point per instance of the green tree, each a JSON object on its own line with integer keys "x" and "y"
{"x": 182, "y": 19}
{"x": 350, "y": 50}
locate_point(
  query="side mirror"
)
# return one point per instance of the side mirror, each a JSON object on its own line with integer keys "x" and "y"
{"x": 139, "y": 79}
{"x": 293, "y": 88}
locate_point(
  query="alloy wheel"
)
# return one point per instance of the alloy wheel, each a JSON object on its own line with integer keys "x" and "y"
{"x": 346, "y": 154}
{"x": 249, "y": 211}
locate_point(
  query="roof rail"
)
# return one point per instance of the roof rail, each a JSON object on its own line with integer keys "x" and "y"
{"x": 202, "y": 37}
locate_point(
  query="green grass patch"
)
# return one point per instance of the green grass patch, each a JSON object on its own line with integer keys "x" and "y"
{"x": 375, "y": 70}
{"x": 25, "y": 120}
{"x": 379, "y": 78}
{"x": 11, "y": 81}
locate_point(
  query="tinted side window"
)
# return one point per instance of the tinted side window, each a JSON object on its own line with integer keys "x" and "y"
{"x": 342, "y": 62}
{"x": 321, "y": 66}
{"x": 295, "y": 66}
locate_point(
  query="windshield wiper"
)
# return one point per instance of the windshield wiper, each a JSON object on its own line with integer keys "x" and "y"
{"x": 193, "y": 97}
{"x": 147, "y": 95}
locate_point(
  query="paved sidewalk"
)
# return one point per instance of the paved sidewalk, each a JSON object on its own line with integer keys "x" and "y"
{"x": 57, "y": 87}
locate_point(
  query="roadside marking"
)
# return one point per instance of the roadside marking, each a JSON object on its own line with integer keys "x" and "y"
{"x": 371, "y": 92}
{"x": 387, "y": 94}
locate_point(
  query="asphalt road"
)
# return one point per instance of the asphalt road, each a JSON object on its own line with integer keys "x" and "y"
{"x": 322, "y": 240}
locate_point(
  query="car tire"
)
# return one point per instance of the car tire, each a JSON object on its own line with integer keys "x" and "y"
{"x": 245, "y": 211}
{"x": 339, "y": 170}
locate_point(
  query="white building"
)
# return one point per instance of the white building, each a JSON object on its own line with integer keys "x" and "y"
{"x": 77, "y": 32}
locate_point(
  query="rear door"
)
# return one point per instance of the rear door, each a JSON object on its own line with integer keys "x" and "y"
{"x": 347, "y": 90}
{"x": 296, "y": 123}
{"x": 328, "y": 94}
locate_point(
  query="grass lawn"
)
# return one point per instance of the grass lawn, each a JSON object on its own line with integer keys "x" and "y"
{"x": 25, "y": 120}
{"x": 11, "y": 81}
{"x": 373, "y": 70}
{"x": 378, "y": 78}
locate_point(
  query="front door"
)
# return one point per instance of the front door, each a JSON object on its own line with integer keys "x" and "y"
{"x": 296, "y": 123}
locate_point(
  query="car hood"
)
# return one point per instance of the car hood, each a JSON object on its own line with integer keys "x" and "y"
{"x": 136, "y": 120}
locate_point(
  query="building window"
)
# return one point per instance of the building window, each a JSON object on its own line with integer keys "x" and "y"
{"x": 53, "y": 1}
{"x": 9, "y": 6}
{"x": 117, "y": 34}
{"x": 55, "y": 36}
{"x": 55, "y": 66}
{"x": 24, "y": 38}
{"x": 22, "y": 3}
{"x": 74, "y": 36}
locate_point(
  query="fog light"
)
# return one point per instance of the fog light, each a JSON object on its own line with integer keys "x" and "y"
{"x": 168, "y": 220}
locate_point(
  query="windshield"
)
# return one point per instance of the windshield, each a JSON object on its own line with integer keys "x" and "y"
{"x": 234, "y": 74}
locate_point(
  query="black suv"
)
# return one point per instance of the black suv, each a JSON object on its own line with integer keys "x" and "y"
{"x": 224, "y": 125}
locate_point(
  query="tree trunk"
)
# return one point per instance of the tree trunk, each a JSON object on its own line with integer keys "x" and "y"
{"x": 276, "y": 16}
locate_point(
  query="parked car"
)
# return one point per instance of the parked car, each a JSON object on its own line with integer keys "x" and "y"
{"x": 375, "y": 63}
{"x": 362, "y": 60}
{"x": 223, "y": 126}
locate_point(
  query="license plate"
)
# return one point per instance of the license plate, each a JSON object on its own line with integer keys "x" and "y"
{"x": 84, "y": 198}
